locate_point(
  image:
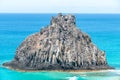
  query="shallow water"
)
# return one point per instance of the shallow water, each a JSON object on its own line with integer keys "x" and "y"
{"x": 104, "y": 29}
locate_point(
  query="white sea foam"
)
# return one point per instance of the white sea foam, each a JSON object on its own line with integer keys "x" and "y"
{"x": 117, "y": 71}
{"x": 72, "y": 78}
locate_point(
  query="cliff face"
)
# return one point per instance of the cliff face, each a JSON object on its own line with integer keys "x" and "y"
{"x": 59, "y": 46}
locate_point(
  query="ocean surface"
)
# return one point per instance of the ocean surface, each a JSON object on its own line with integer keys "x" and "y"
{"x": 104, "y": 29}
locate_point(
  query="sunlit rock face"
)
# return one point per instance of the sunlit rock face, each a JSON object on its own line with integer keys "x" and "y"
{"x": 59, "y": 46}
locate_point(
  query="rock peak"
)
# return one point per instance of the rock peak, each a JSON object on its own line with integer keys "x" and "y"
{"x": 60, "y": 19}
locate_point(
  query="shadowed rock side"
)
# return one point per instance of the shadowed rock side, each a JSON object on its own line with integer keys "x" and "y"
{"x": 59, "y": 46}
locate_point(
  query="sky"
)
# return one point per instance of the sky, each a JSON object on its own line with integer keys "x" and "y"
{"x": 57, "y": 6}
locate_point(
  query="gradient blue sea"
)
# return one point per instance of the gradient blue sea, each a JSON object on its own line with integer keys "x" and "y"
{"x": 104, "y": 29}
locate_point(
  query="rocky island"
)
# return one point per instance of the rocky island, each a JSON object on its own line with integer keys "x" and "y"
{"x": 59, "y": 46}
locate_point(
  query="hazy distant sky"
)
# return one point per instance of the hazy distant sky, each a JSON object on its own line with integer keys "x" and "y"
{"x": 56, "y": 6}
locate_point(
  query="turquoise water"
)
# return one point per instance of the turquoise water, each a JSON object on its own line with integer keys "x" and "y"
{"x": 104, "y": 29}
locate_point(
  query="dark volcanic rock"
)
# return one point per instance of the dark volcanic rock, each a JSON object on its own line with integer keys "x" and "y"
{"x": 59, "y": 46}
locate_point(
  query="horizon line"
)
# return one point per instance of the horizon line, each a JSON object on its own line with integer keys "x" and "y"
{"x": 51, "y": 13}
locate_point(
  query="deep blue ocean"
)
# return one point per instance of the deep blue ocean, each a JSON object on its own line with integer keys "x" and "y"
{"x": 104, "y": 29}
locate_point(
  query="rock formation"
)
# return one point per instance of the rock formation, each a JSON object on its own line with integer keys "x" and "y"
{"x": 59, "y": 46}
